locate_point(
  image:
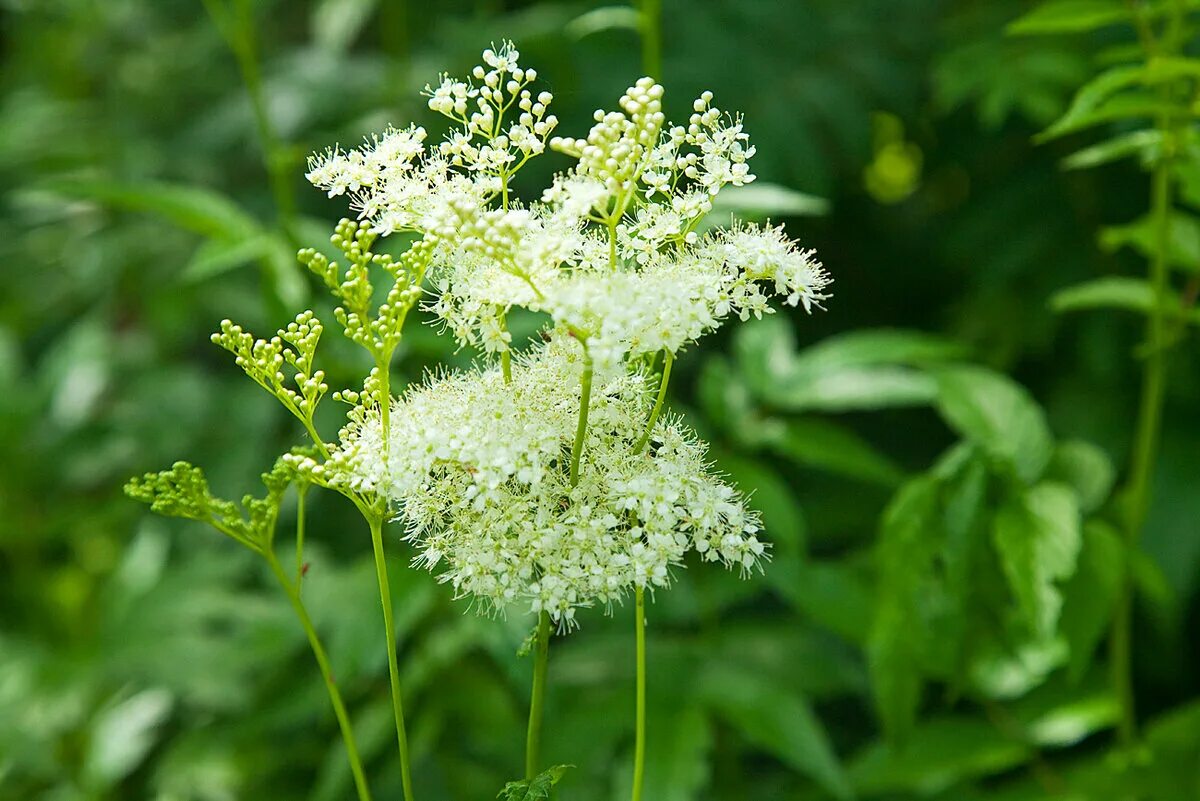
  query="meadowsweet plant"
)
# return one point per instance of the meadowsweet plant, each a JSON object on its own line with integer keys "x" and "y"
{"x": 548, "y": 478}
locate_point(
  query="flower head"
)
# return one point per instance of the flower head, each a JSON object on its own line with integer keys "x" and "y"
{"x": 477, "y": 472}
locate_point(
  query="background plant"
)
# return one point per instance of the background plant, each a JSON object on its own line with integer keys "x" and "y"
{"x": 914, "y": 125}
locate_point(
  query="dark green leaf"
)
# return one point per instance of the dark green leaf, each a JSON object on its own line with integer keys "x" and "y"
{"x": 908, "y": 540}
{"x": 1091, "y": 594}
{"x": 1183, "y": 239}
{"x": 938, "y": 755}
{"x": 828, "y": 446}
{"x": 780, "y": 722}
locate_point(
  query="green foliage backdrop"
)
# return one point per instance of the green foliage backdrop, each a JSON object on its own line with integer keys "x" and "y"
{"x": 941, "y": 458}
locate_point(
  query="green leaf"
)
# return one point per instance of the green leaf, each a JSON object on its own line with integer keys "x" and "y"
{"x": 200, "y": 210}
{"x": 1038, "y": 538}
{"x": 830, "y": 594}
{"x": 678, "y": 751}
{"x": 872, "y": 347}
{"x": 862, "y": 370}
{"x": 1091, "y": 594}
{"x": 1117, "y": 93}
{"x": 848, "y": 389}
{"x": 1131, "y": 294}
{"x": 761, "y": 200}
{"x": 606, "y": 18}
{"x": 123, "y": 735}
{"x": 1070, "y": 16}
{"x": 218, "y": 256}
{"x": 1058, "y": 716}
{"x": 1141, "y": 235}
{"x": 780, "y": 722}
{"x": 1145, "y": 143}
{"x": 1086, "y": 468}
{"x": 997, "y": 414}
{"x": 337, "y": 23}
{"x": 828, "y": 446}
{"x": 536, "y": 789}
{"x": 907, "y": 542}
{"x": 938, "y": 755}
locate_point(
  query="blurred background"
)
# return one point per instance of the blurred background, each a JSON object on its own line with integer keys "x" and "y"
{"x": 152, "y": 153}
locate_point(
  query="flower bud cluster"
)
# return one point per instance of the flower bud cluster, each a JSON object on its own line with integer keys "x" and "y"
{"x": 264, "y": 361}
{"x": 183, "y": 491}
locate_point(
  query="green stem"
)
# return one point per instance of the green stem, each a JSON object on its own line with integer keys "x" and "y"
{"x": 639, "y": 743}
{"x": 335, "y": 696}
{"x": 1150, "y": 410}
{"x": 301, "y": 492}
{"x": 533, "y": 736}
{"x": 389, "y": 631}
{"x": 581, "y": 428}
{"x": 612, "y": 241}
{"x": 658, "y": 403}
{"x": 650, "y": 13}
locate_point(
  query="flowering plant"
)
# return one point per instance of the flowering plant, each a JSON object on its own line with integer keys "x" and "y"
{"x": 548, "y": 479}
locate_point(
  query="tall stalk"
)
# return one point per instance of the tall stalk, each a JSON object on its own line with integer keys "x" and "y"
{"x": 389, "y": 630}
{"x": 335, "y": 696}
{"x": 1147, "y": 435}
{"x": 533, "y": 735}
{"x": 236, "y": 23}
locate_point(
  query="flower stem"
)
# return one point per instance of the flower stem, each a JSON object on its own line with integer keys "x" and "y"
{"x": 658, "y": 403}
{"x": 581, "y": 429}
{"x": 649, "y": 12}
{"x": 301, "y": 492}
{"x": 335, "y": 696}
{"x": 533, "y": 737}
{"x": 639, "y": 743}
{"x": 385, "y": 597}
{"x": 1150, "y": 406}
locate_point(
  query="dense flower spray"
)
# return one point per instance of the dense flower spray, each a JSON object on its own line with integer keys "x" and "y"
{"x": 546, "y": 478}
{"x": 478, "y": 466}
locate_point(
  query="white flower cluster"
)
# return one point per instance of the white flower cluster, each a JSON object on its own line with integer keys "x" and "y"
{"x": 476, "y": 468}
{"x": 509, "y": 483}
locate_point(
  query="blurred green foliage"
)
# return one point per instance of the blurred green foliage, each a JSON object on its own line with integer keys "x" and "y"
{"x": 933, "y": 457}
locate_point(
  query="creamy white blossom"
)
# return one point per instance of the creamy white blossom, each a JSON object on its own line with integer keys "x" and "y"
{"x": 476, "y": 470}
{"x": 487, "y": 470}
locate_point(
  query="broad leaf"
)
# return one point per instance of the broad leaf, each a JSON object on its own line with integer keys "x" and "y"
{"x": 938, "y": 755}
{"x": 828, "y": 446}
{"x": 1085, "y": 468}
{"x": 1038, "y": 538}
{"x": 780, "y": 722}
{"x": 908, "y": 542}
{"x": 1091, "y": 594}
{"x": 998, "y": 415}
